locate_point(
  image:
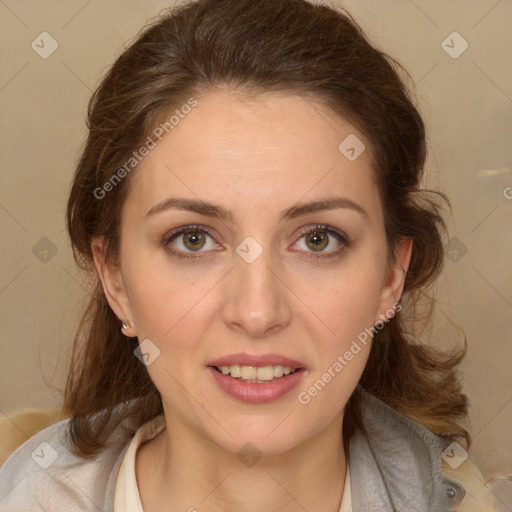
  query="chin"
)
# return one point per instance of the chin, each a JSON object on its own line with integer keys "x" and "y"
{"x": 258, "y": 438}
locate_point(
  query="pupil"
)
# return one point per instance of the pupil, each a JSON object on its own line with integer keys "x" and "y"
{"x": 317, "y": 239}
{"x": 195, "y": 239}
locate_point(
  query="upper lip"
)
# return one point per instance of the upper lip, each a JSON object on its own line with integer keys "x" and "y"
{"x": 245, "y": 359}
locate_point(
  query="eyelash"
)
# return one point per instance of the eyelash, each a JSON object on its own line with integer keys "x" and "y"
{"x": 304, "y": 231}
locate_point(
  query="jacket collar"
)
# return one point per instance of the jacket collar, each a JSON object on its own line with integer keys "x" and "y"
{"x": 395, "y": 463}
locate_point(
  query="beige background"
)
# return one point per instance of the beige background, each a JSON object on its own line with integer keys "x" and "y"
{"x": 466, "y": 102}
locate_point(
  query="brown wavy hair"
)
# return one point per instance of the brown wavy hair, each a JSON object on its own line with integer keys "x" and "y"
{"x": 289, "y": 46}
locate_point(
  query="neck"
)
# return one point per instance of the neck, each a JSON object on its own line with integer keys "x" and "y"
{"x": 182, "y": 471}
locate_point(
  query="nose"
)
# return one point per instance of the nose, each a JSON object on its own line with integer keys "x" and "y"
{"x": 256, "y": 299}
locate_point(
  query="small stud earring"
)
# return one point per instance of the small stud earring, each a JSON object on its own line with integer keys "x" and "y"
{"x": 125, "y": 325}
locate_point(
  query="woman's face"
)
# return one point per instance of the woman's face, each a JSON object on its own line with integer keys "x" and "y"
{"x": 252, "y": 284}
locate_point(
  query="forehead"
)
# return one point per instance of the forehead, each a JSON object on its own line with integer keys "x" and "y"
{"x": 254, "y": 151}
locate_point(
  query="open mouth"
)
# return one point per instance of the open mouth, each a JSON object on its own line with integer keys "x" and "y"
{"x": 257, "y": 374}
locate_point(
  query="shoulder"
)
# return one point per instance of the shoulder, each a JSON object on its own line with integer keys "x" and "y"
{"x": 399, "y": 455}
{"x": 20, "y": 426}
{"x": 43, "y": 474}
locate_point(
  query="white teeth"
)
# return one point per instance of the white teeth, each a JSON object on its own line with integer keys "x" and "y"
{"x": 265, "y": 373}
{"x": 248, "y": 372}
{"x": 278, "y": 370}
{"x": 256, "y": 373}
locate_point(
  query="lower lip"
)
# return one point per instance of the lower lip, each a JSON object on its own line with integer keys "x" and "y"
{"x": 257, "y": 393}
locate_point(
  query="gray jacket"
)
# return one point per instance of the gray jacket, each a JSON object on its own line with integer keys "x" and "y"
{"x": 395, "y": 465}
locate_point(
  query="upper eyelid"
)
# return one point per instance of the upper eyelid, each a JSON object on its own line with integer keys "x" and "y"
{"x": 183, "y": 229}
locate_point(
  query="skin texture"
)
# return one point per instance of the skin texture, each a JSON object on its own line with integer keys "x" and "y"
{"x": 256, "y": 156}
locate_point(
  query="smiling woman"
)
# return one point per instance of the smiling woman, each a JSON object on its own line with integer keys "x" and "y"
{"x": 248, "y": 344}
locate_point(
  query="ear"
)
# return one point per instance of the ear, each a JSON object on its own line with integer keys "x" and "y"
{"x": 113, "y": 285}
{"x": 395, "y": 278}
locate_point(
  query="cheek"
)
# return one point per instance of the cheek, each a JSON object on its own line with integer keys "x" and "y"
{"x": 340, "y": 358}
{"x": 164, "y": 298}
{"x": 345, "y": 300}
{"x": 343, "y": 350}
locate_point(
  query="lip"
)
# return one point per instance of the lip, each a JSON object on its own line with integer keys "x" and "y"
{"x": 245, "y": 359}
{"x": 253, "y": 392}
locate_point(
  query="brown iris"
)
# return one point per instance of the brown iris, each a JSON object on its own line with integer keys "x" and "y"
{"x": 196, "y": 239}
{"x": 320, "y": 240}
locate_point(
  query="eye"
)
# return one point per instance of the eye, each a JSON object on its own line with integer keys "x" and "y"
{"x": 317, "y": 238}
{"x": 189, "y": 240}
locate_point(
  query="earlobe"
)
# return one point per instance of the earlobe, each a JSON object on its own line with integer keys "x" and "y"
{"x": 113, "y": 286}
{"x": 396, "y": 275}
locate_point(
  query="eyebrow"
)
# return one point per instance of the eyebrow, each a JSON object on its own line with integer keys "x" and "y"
{"x": 219, "y": 212}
